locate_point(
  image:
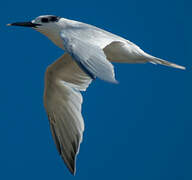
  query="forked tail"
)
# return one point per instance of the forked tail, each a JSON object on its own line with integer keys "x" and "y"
{"x": 155, "y": 60}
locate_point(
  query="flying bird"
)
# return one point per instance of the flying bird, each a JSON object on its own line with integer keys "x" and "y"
{"x": 89, "y": 52}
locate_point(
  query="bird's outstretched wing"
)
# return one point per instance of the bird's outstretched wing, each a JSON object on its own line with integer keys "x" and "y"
{"x": 90, "y": 57}
{"x": 62, "y": 100}
{"x": 116, "y": 48}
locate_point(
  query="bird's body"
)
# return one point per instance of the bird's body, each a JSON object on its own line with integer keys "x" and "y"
{"x": 89, "y": 53}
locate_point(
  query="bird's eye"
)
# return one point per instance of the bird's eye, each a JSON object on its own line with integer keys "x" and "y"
{"x": 44, "y": 20}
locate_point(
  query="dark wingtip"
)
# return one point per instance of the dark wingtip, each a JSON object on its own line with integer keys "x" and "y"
{"x": 72, "y": 167}
{"x": 73, "y": 172}
{"x": 70, "y": 163}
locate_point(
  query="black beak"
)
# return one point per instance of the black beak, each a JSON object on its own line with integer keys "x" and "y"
{"x": 25, "y": 24}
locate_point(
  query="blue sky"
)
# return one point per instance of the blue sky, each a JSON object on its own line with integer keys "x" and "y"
{"x": 139, "y": 129}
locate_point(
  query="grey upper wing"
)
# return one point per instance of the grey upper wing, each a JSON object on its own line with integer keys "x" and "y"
{"x": 62, "y": 99}
{"x": 89, "y": 56}
{"x": 116, "y": 48}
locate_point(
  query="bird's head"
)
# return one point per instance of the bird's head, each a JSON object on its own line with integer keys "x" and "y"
{"x": 49, "y": 25}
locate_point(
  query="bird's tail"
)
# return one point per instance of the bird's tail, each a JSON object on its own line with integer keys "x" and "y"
{"x": 155, "y": 60}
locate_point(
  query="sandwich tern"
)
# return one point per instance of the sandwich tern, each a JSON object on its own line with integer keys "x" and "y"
{"x": 89, "y": 52}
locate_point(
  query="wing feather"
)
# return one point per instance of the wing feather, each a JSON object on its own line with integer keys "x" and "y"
{"x": 64, "y": 80}
{"x": 90, "y": 57}
{"x": 116, "y": 48}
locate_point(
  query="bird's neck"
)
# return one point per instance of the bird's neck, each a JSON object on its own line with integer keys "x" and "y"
{"x": 54, "y": 36}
